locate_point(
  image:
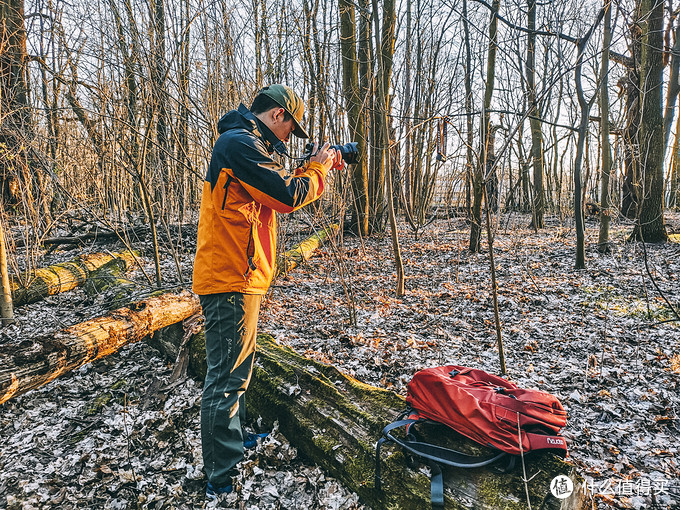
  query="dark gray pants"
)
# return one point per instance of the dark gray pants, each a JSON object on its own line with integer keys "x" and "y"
{"x": 230, "y": 335}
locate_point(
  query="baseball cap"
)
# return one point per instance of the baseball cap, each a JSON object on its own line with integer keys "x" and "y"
{"x": 289, "y": 101}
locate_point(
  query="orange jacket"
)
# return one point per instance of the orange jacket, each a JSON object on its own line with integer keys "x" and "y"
{"x": 243, "y": 190}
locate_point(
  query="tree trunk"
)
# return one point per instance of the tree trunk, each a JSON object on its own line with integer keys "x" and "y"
{"x": 479, "y": 177}
{"x": 407, "y": 111}
{"x": 630, "y": 194}
{"x": 13, "y": 86}
{"x": 14, "y": 109}
{"x": 538, "y": 207}
{"x": 584, "y": 113}
{"x": 674, "y": 192}
{"x": 184, "y": 166}
{"x": 605, "y": 193}
{"x": 650, "y": 226}
{"x": 353, "y": 101}
{"x": 469, "y": 120}
{"x": 673, "y": 83}
{"x": 6, "y": 308}
{"x": 160, "y": 95}
{"x": 33, "y": 363}
{"x": 62, "y": 277}
{"x": 385, "y": 51}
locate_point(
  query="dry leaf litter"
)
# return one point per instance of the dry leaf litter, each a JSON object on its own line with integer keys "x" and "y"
{"x": 115, "y": 434}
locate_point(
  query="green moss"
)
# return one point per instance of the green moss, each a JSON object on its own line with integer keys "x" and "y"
{"x": 611, "y": 300}
{"x": 489, "y": 490}
{"x": 78, "y": 436}
{"x": 197, "y": 363}
{"x": 114, "y": 394}
{"x": 639, "y": 309}
{"x": 99, "y": 403}
{"x": 119, "y": 385}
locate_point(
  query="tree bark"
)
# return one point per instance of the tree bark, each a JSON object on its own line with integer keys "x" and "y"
{"x": 535, "y": 116}
{"x": 33, "y": 363}
{"x": 15, "y": 115}
{"x": 6, "y": 307}
{"x": 469, "y": 120}
{"x": 353, "y": 102}
{"x": 479, "y": 176}
{"x": 630, "y": 85}
{"x": 584, "y": 113}
{"x": 62, "y": 277}
{"x": 673, "y": 84}
{"x": 674, "y": 192}
{"x": 13, "y": 62}
{"x": 99, "y": 236}
{"x": 605, "y": 194}
{"x": 650, "y": 226}
{"x": 385, "y": 51}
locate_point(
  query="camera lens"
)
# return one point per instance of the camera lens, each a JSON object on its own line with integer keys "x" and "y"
{"x": 349, "y": 152}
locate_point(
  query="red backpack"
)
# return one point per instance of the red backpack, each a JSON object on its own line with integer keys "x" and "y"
{"x": 485, "y": 408}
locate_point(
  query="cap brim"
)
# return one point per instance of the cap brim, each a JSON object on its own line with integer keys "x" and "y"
{"x": 299, "y": 130}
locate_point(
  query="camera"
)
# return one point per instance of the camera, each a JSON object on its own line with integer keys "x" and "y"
{"x": 348, "y": 151}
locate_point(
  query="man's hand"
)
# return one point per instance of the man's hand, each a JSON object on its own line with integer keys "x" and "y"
{"x": 330, "y": 158}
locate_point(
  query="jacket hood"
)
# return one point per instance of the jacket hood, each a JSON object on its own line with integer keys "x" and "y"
{"x": 243, "y": 118}
{"x": 237, "y": 119}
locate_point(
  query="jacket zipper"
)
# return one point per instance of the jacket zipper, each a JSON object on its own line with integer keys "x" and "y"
{"x": 226, "y": 187}
{"x": 251, "y": 263}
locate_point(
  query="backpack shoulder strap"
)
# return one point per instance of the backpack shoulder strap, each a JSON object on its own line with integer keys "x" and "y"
{"x": 386, "y": 437}
{"x": 435, "y": 455}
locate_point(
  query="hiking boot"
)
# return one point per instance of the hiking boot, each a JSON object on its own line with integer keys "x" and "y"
{"x": 250, "y": 441}
{"x": 212, "y": 492}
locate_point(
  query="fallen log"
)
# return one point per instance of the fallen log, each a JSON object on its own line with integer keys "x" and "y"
{"x": 63, "y": 277}
{"x": 303, "y": 251}
{"x": 32, "y": 363}
{"x": 109, "y": 283}
{"x": 98, "y": 236}
{"x": 335, "y": 421}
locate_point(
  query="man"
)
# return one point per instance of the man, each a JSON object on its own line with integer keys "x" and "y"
{"x": 235, "y": 256}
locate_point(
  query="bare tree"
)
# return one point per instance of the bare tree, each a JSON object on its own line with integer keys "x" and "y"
{"x": 535, "y": 115}
{"x": 353, "y": 102}
{"x": 6, "y": 308}
{"x": 605, "y": 192}
{"x": 14, "y": 107}
{"x": 650, "y": 226}
{"x": 479, "y": 180}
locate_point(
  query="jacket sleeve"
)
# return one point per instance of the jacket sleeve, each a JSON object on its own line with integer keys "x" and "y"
{"x": 270, "y": 183}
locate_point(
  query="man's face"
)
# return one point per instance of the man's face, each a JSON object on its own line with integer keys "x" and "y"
{"x": 282, "y": 129}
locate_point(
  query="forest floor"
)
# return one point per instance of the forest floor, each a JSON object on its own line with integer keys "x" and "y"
{"x": 113, "y": 434}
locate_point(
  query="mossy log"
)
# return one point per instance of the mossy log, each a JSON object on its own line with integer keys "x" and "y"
{"x": 32, "y": 363}
{"x": 303, "y": 251}
{"x": 63, "y": 277}
{"x": 335, "y": 421}
{"x": 109, "y": 281}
